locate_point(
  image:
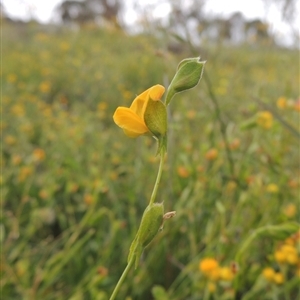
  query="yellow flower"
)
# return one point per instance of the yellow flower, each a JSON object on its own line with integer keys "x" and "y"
{"x": 210, "y": 268}
{"x": 132, "y": 119}
{"x": 265, "y": 119}
{"x": 281, "y": 102}
{"x": 272, "y": 188}
{"x": 278, "y": 278}
{"x": 211, "y": 154}
{"x": 226, "y": 274}
{"x": 38, "y": 154}
{"x": 268, "y": 273}
{"x": 290, "y": 210}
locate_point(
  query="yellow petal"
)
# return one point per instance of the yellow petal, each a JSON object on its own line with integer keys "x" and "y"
{"x": 130, "y": 122}
{"x": 139, "y": 104}
{"x": 156, "y": 92}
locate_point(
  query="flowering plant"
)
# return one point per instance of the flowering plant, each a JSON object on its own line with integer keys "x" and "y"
{"x": 147, "y": 115}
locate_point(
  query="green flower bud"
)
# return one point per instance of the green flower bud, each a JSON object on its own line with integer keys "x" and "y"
{"x": 188, "y": 75}
{"x": 150, "y": 225}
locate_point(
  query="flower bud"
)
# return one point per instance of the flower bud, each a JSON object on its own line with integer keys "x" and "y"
{"x": 188, "y": 75}
{"x": 150, "y": 225}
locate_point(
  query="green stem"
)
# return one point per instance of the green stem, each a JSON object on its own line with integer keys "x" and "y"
{"x": 124, "y": 274}
{"x": 154, "y": 192}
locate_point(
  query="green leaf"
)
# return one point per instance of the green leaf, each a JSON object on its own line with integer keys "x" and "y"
{"x": 188, "y": 75}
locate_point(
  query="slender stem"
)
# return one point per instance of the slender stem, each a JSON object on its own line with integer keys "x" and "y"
{"x": 123, "y": 276}
{"x": 154, "y": 192}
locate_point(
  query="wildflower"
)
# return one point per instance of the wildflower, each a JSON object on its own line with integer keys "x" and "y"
{"x": 45, "y": 87}
{"x": 210, "y": 268}
{"x": 38, "y": 154}
{"x": 212, "y": 287}
{"x": 88, "y": 199}
{"x": 18, "y": 110}
{"x": 290, "y": 210}
{"x": 183, "y": 172}
{"x": 135, "y": 121}
{"x": 226, "y": 274}
{"x": 281, "y": 103}
{"x": 24, "y": 173}
{"x": 265, "y": 119}
{"x": 272, "y": 188}
{"x": 278, "y": 278}
{"x": 268, "y": 273}
{"x": 235, "y": 144}
{"x": 10, "y": 140}
{"x": 211, "y": 154}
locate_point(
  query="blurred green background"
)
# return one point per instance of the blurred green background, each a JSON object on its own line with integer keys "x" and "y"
{"x": 74, "y": 187}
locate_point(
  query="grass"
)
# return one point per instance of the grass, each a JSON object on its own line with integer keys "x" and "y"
{"x": 74, "y": 186}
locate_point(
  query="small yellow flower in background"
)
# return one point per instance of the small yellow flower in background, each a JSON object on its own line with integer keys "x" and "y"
{"x": 278, "y": 278}
{"x": 12, "y": 78}
{"x": 226, "y": 274}
{"x": 43, "y": 194}
{"x": 287, "y": 253}
{"x": 297, "y": 105}
{"x": 64, "y": 46}
{"x": 45, "y": 87}
{"x": 88, "y": 199}
{"x": 281, "y": 103}
{"x": 272, "y": 276}
{"x": 211, "y": 154}
{"x": 272, "y": 188}
{"x": 10, "y": 140}
{"x": 16, "y": 159}
{"x": 212, "y": 287}
{"x": 290, "y": 210}
{"x": 191, "y": 114}
{"x": 18, "y": 110}
{"x": 102, "y": 106}
{"x": 131, "y": 119}
{"x": 265, "y": 119}
{"x": 38, "y": 154}
{"x": 268, "y": 273}
{"x": 183, "y": 172}
{"x": 24, "y": 173}
{"x": 235, "y": 144}
{"x": 210, "y": 268}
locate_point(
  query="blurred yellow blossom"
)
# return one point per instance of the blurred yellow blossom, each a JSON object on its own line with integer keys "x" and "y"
{"x": 18, "y": 110}
{"x": 272, "y": 276}
{"x": 281, "y": 103}
{"x": 272, "y": 188}
{"x": 88, "y": 199}
{"x": 183, "y": 172}
{"x": 290, "y": 210}
{"x": 10, "y": 140}
{"x": 268, "y": 273}
{"x": 265, "y": 119}
{"x": 212, "y": 287}
{"x": 45, "y": 87}
{"x": 226, "y": 274}
{"x": 16, "y": 159}
{"x": 278, "y": 278}
{"x": 211, "y": 154}
{"x": 210, "y": 268}
{"x": 24, "y": 173}
{"x": 12, "y": 78}
{"x": 38, "y": 154}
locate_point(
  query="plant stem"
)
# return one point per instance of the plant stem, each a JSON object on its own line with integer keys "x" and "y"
{"x": 154, "y": 192}
{"x": 123, "y": 276}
